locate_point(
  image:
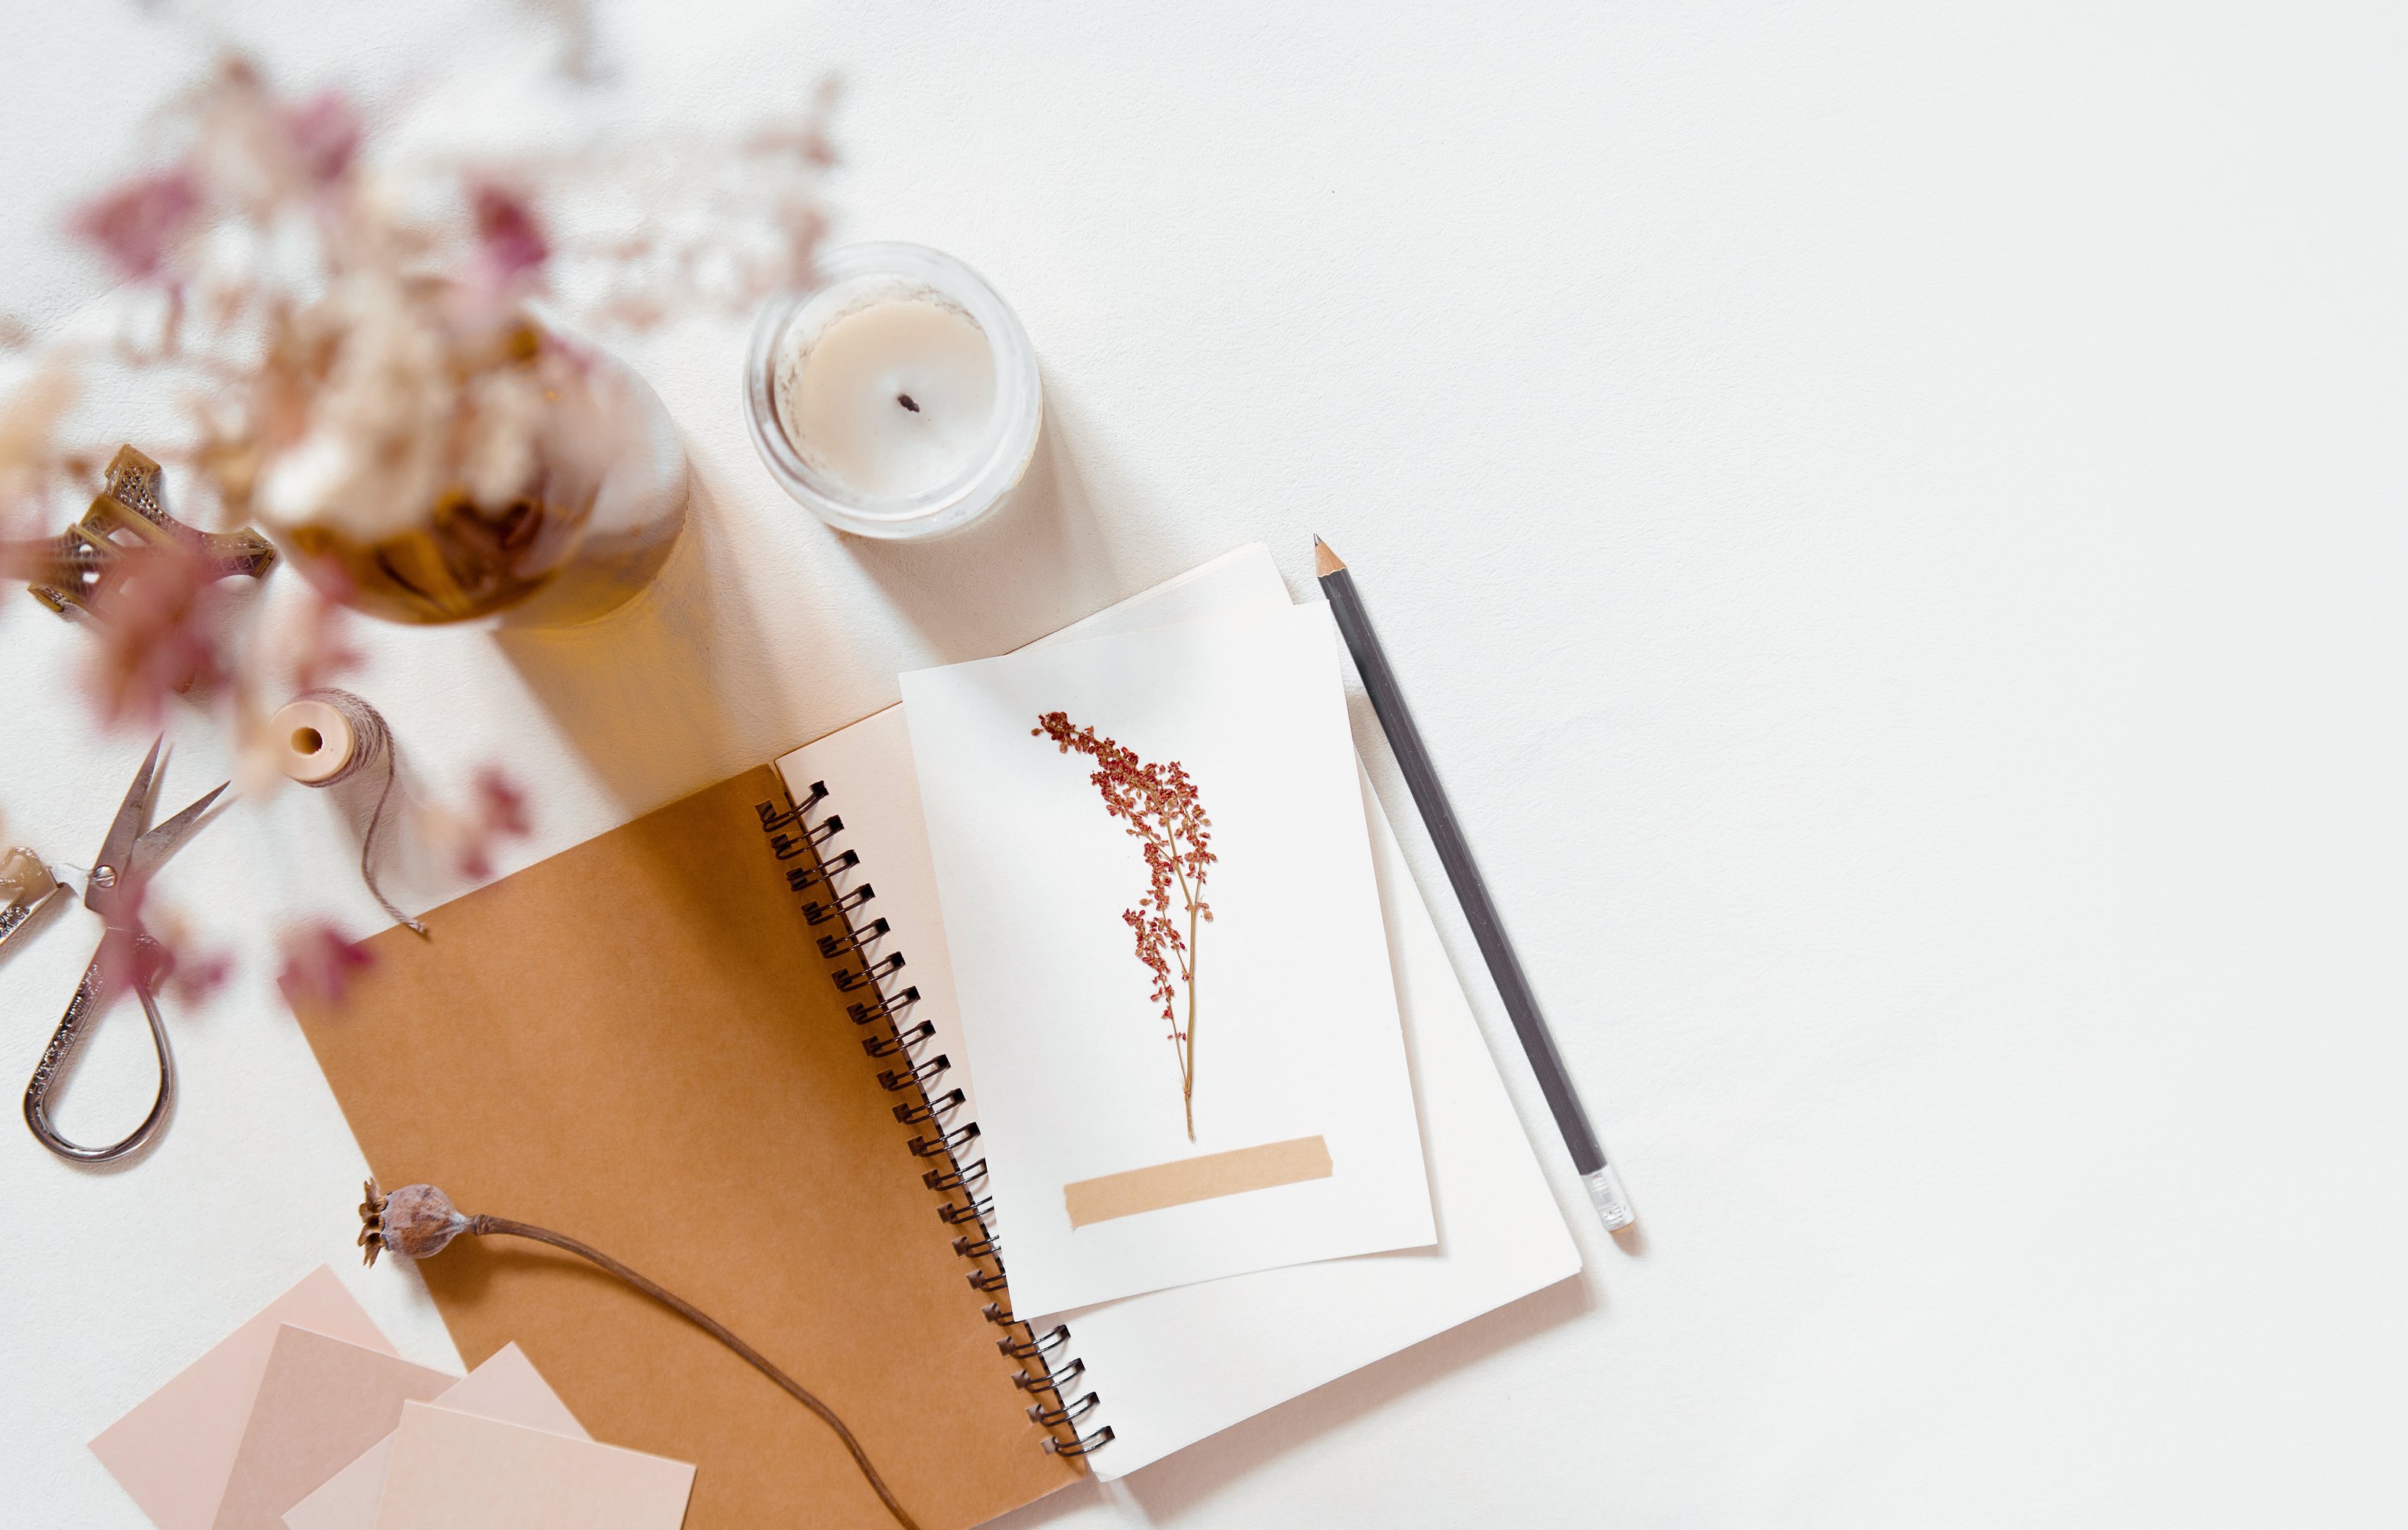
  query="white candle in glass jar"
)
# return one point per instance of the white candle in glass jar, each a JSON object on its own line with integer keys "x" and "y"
{"x": 898, "y": 398}
{"x": 891, "y": 399}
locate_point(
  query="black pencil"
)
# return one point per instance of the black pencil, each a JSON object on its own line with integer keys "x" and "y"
{"x": 1604, "y": 1186}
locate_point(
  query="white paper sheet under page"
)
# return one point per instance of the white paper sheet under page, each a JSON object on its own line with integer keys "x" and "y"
{"x": 1166, "y": 938}
{"x": 1174, "y": 1366}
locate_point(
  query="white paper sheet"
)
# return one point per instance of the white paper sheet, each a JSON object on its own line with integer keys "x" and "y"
{"x": 1293, "y": 1009}
{"x": 1174, "y": 1366}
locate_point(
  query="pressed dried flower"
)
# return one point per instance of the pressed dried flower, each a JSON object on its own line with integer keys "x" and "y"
{"x": 1160, "y": 805}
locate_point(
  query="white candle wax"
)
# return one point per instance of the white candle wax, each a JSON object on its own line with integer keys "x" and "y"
{"x": 896, "y": 397}
{"x": 893, "y": 398}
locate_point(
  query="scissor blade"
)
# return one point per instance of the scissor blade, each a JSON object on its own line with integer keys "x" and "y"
{"x": 124, "y": 829}
{"x": 161, "y": 842}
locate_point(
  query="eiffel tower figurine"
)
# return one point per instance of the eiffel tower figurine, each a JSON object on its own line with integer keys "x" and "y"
{"x": 71, "y": 572}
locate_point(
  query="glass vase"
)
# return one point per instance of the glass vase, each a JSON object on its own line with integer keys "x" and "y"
{"x": 556, "y": 508}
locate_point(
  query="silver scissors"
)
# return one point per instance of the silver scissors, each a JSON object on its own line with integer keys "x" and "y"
{"x": 120, "y": 876}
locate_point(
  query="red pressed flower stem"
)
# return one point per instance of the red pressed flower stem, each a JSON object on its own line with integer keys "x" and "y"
{"x": 1160, "y": 806}
{"x": 1188, "y": 961}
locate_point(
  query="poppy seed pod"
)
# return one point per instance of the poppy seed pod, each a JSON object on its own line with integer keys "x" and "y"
{"x": 416, "y": 1220}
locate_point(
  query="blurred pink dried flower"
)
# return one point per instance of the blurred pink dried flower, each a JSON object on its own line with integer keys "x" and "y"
{"x": 187, "y": 971}
{"x": 124, "y": 961}
{"x": 304, "y": 645}
{"x": 337, "y": 324}
{"x": 160, "y": 631}
{"x": 319, "y": 648}
{"x": 324, "y": 132}
{"x": 345, "y": 333}
{"x": 136, "y": 222}
{"x": 170, "y": 961}
{"x": 30, "y": 456}
{"x": 497, "y": 811}
{"x": 508, "y": 231}
{"x": 504, "y": 804}
{"x": 191, "y": 979}
{"x": 320, "y": 964}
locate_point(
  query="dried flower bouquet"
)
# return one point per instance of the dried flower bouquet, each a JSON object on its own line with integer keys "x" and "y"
{"x": 373, "y": 353}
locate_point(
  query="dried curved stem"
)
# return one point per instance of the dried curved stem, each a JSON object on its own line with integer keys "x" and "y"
{"x": 487, "y": 1226}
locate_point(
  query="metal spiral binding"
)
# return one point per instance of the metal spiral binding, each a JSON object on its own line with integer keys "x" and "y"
{"x": 1047, "y": 1372}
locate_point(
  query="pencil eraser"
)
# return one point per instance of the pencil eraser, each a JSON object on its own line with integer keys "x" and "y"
{"x": 1612, "y": 1205}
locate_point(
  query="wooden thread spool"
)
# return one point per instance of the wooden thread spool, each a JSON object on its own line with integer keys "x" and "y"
{"x": 316, "y": 744}
{"x": 326, "y": 737}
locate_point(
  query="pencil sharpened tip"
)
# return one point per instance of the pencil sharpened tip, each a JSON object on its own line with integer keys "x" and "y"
{"x": 1326, "y": 560}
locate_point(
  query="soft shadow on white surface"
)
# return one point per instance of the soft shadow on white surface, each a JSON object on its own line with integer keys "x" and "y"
{"x": 679, "y": 688}
{"x": 1041, "y": 561}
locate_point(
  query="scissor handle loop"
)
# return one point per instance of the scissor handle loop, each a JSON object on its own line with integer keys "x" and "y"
{"x": 82, "y": 1011}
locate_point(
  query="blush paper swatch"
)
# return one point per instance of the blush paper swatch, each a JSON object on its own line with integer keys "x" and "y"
{"x": 455, "y": 1471}
{"x": 321, "y": 1403}
{"x": 174, "y": 1451}
{"x": 505, "y": 1387}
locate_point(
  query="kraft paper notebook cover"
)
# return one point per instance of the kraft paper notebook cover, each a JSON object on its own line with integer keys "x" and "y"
{"x": 656, "y": 1040}
{"x": 636, "y": 1042}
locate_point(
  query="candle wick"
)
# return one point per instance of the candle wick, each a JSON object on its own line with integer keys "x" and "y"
{"x": 904, "y": 399}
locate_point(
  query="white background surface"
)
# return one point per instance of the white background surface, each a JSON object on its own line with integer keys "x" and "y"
{"x": 1890, "y": 516}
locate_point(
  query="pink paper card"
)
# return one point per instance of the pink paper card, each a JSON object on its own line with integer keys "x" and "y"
{"x": 455, "y": 1471}
{"x": 505, "y": 1387}
{"x": 174, "y": 1452}
{"x": 321, "y": 1403}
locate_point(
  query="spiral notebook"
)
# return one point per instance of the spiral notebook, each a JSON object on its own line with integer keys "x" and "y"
{"x": 722, "y": 1042}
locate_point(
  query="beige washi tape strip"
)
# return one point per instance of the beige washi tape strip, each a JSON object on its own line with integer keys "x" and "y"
{"x": 1190, "y": 1179}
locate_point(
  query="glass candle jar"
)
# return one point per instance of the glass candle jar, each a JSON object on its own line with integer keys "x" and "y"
{"x": 534, "y": 481}
{"x": 898, "y": 397}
